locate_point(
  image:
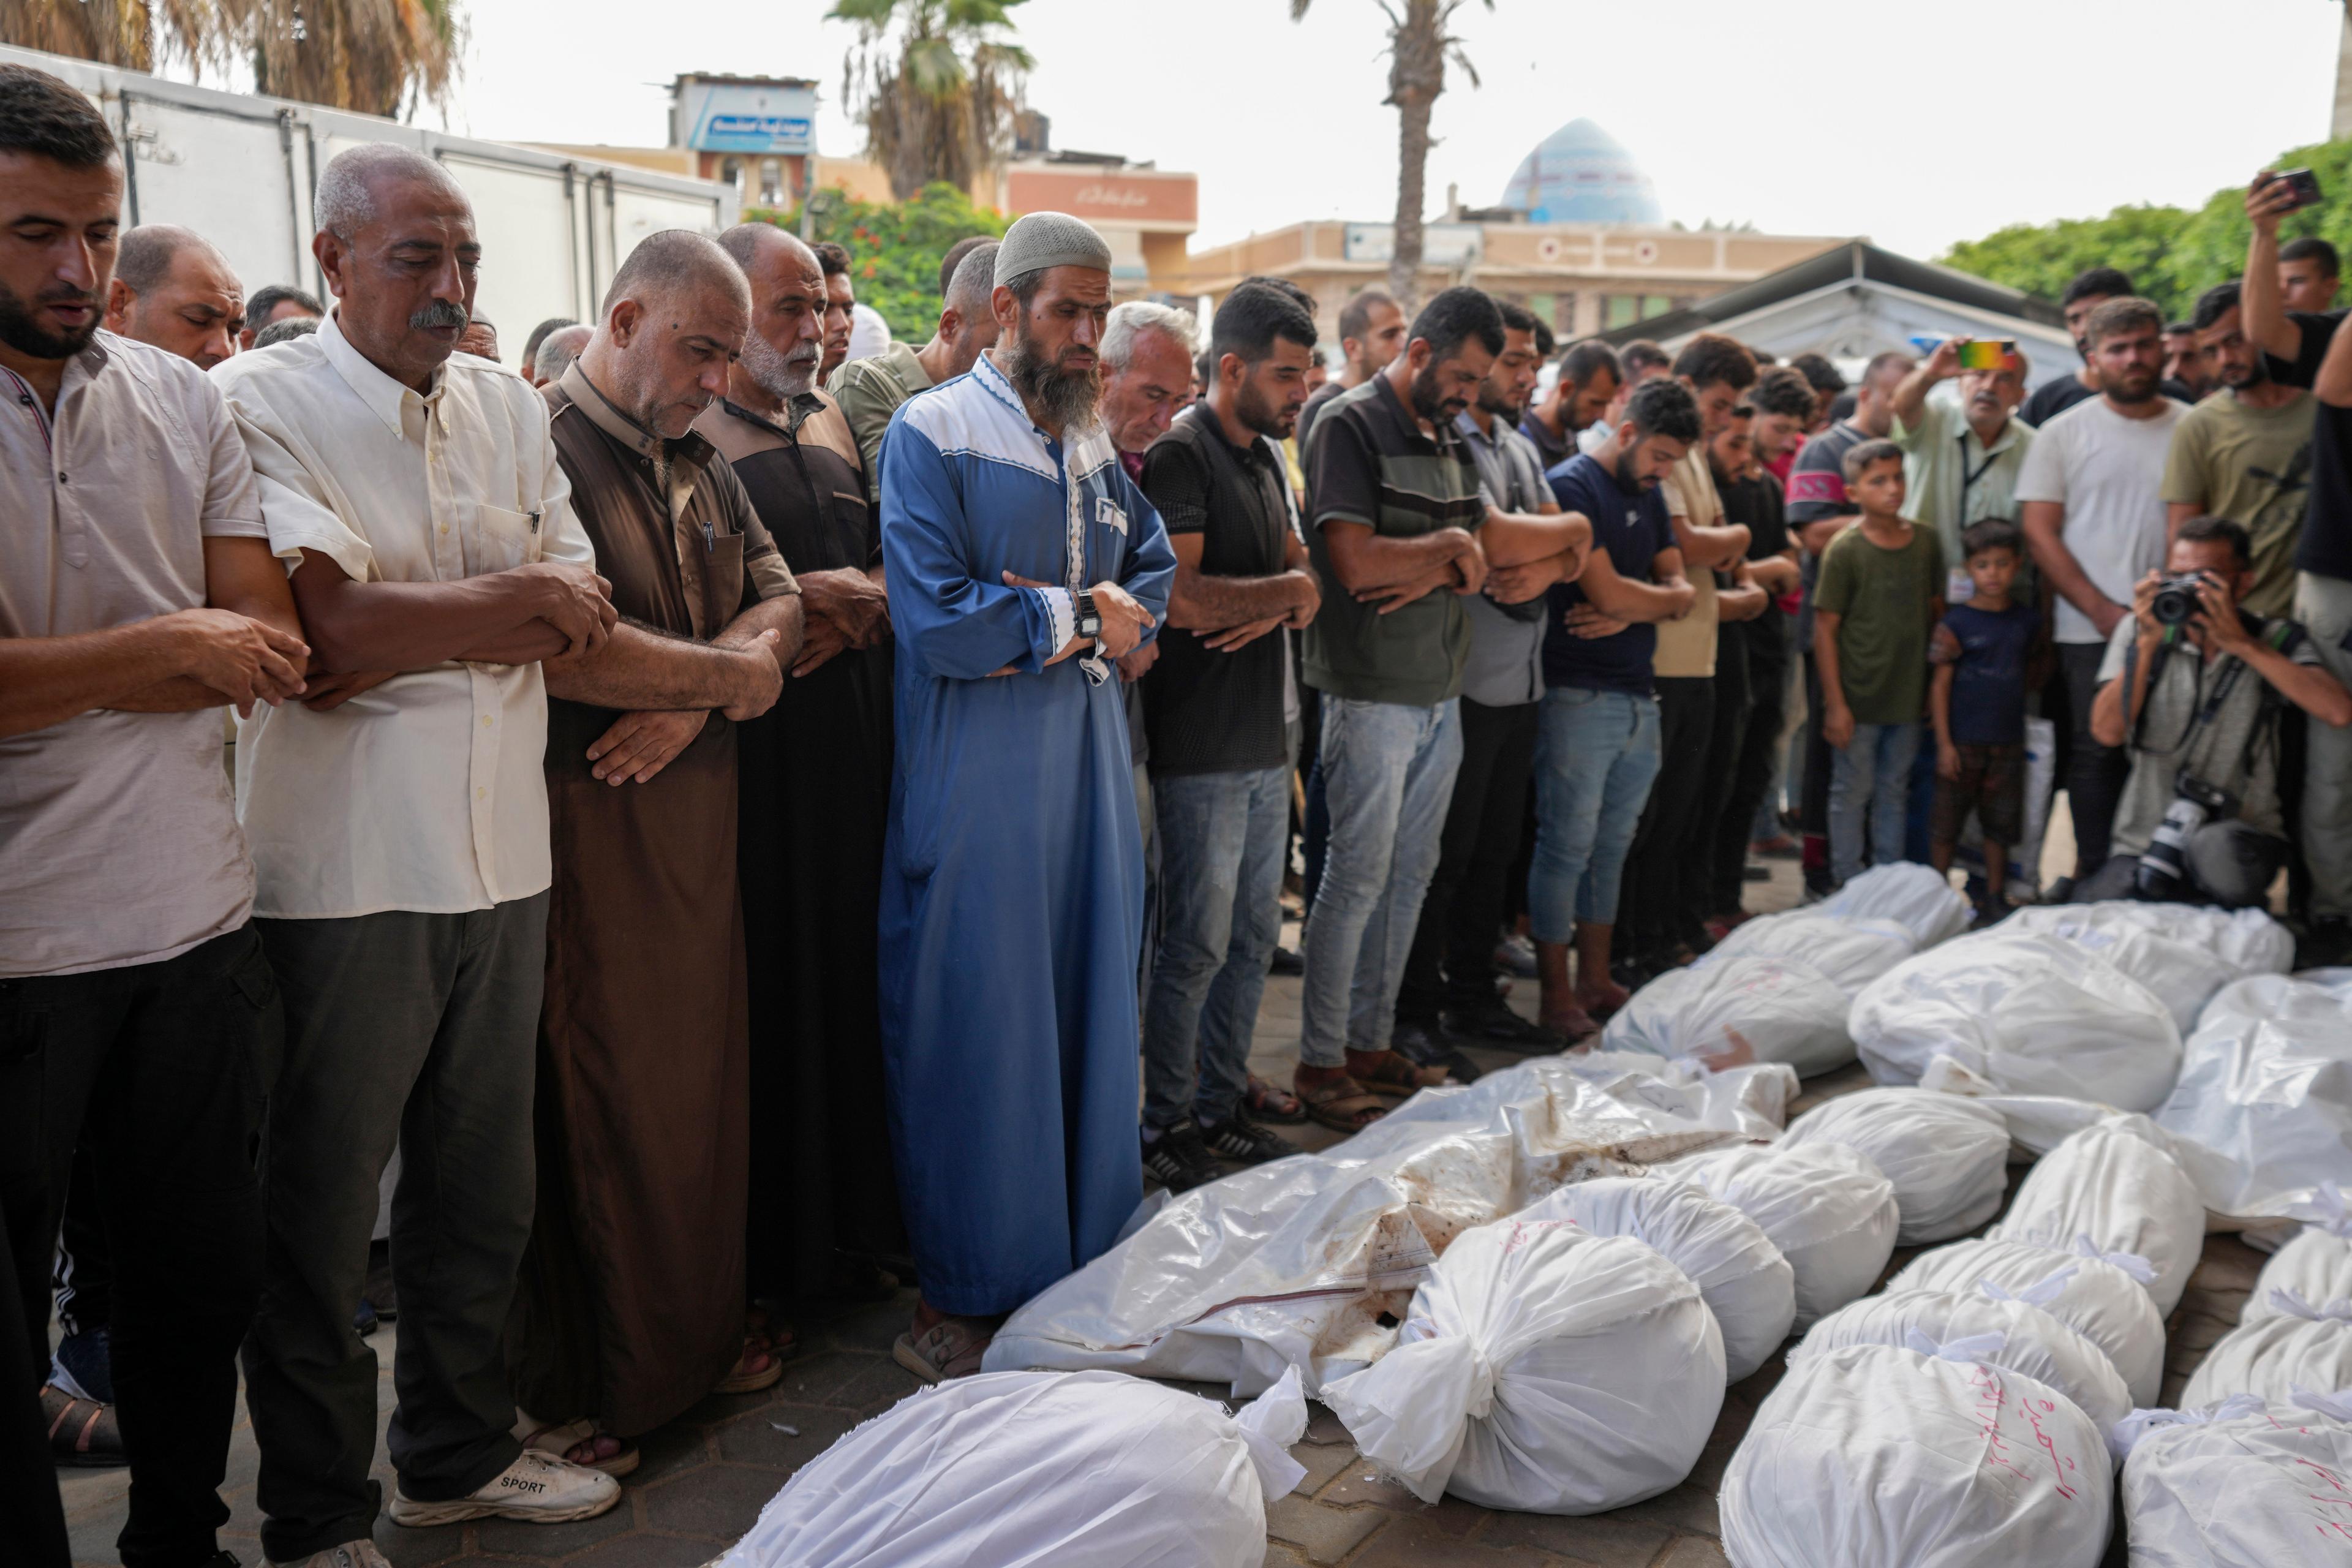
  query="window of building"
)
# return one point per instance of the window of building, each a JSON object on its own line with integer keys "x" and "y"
{"x": 731, "y": 170}
{"x": 1620, "y": 310}
{"x": 1655, "y": 305}
{"x": 771, "y": 181}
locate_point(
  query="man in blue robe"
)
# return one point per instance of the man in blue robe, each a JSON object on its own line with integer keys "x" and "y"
{"x": 1022, "y": 561}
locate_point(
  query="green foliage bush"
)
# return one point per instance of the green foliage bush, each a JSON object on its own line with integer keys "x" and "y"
{"x": 2172, "y": 254}
{"x": 894, "y": 247}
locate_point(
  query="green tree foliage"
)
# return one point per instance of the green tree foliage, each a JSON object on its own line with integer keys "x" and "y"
{"x": 936, "y": 83}
{"x": 2173, "y": 254}
{"x": 894, "y": 247}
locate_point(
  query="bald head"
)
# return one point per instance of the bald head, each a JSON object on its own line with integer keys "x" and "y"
{"x": 175, "y": 289}
{"x": 967, "y": 322}
{"x": 357, "y": 185}
{"x": 557, "y": 351}
{"x": 785, "y": 348}
{"x": 674, "y": 321}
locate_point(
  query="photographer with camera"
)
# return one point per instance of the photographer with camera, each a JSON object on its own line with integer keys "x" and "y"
{"x": 2193, "y": 687}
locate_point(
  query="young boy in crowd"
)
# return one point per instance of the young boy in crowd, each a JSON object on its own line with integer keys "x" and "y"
{"x": 1985, "y": 654}
{"x": 1878, "y": 599}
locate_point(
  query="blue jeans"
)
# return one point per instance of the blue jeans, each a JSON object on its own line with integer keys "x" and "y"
{"x": 1871, "y": 777}
{"x": 1596, "y": 757}
{"x": 1388, "y": 774}
{"x": 1222, "y": 837}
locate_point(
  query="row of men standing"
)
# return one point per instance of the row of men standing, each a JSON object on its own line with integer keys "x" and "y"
{"x": 502, "y": 664}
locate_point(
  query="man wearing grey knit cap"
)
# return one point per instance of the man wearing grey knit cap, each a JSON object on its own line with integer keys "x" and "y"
{"x": 1021, "y": 561}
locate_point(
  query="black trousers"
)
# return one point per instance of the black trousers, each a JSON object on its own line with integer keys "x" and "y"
{"x": 1751, "y": 778}
{"x": 1813, "y": 800}
{"x": 28, "y": 1480}
{"x": 2094, "y": 773}
{"x": 1665, "y": 843}
{"x": 1702, "y": 880}
{"x": 162, "y": 1069}
{"x": 1453, "y": 960}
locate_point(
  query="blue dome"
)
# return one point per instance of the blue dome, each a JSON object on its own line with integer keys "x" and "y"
{"x": 1580, "y": 174}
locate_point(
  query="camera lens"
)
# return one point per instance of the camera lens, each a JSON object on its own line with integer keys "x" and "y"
{"x": 2174, "y": 603}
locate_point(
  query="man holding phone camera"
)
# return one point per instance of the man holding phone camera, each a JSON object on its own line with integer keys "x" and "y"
{"x": 2314, "y": 349}
{"x": 2192, "y": 686}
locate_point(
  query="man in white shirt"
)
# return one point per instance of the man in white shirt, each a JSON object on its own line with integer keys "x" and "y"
{"x": 2092, "y": 497}
{"x": 401, "y": 835}
{"x": 137, "y": 1012}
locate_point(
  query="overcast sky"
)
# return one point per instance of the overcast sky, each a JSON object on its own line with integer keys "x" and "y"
{"x": 1916, "y": 121}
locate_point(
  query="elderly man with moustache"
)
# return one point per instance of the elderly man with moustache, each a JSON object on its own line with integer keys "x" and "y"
{"x": 1021, "y": 561}
{"x": 631, "y": 1295}
{"x": 814, "y": 786}
{"x": 175, "y": 289}
{"x": 399, "y": 824}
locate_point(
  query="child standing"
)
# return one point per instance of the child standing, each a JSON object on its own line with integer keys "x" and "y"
{"x": 1878, "y": 598}
{"x": 1983, "y": 652}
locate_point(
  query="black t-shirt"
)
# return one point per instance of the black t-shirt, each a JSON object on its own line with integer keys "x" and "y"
{"x": 2052, "y": 398}
{"x": 1757, "y": 502}
{"x": 2326, "y": 547}
{"x": 1312, "y": 410}
{"x": 1209, "y": 712}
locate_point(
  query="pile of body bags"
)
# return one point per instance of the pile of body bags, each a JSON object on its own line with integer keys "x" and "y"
{"x": 1975, "y": 1409}
{"x": 1779, "y": 987}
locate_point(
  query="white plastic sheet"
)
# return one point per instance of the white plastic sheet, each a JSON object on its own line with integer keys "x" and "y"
{"x": 2030, "y": 1014}
{"x": 1921, "y": 899}
{"x": 2264, "y": 1488}
{"x": 2181, "y": 952}
{"x": 1544, "y": 1369}
{"x": 2304, "y": 1344}
{"x": 1294, "y": 1263}
{"x": 1754, "y": 1009}
{"x": 2118, "y": 1187}
{"x": 1086, "y": 1470}
{"x": 1851, "y": 953}
{"x": 2105, "y": 1302}
{"x": 2031, "y": 1342}
{"x": 1825, "y": 1206}
{"x": 1870, "y": 1455}
{"x": 1948, "y": 1156}
{"x": 1742, "y": 1276}
{"x": 2262, "y": 1112}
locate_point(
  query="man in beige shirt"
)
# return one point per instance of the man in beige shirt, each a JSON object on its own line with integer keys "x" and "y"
{"x": 1665, "y": 875}
{"x": 137, "y": 1012}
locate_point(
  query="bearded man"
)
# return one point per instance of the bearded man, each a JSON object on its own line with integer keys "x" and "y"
{"x": 815, "y": 776}
{"x": 1022, "y": 561}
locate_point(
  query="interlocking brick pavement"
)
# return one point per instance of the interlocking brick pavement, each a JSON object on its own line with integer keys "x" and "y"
{"x": 706, "y": 1476}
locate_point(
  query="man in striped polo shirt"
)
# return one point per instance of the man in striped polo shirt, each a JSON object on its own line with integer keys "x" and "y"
{"x": 1399, "y": 532}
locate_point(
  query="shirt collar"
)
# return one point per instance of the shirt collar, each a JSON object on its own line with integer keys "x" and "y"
{"x": 386, "y": 398}
{"x": 797, "y": 409}
{"x": 1408, "y": 423}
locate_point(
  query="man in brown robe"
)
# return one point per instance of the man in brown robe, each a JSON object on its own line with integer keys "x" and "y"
{"x": 632, "y": 1304}
{"x": 815, "y": 792}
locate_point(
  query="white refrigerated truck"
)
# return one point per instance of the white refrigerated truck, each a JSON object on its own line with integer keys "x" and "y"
{"x": 240, "y": 170}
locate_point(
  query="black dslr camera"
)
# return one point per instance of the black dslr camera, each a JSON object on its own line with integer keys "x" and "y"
{"x": 2177, "y": 599}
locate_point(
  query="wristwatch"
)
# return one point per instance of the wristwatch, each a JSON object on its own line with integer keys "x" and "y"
{"x": 1089, "y": 618}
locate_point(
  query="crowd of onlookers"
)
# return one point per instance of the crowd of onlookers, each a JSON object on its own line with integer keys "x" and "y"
{"x": 666, "y": 874}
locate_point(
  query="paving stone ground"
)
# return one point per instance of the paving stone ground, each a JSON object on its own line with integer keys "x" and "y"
{"x": 706, "y": 1476}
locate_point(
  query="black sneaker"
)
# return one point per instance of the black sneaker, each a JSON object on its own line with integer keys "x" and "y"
{"x": 2327, "y": 945}
{"x": 1287, "y": 961}
{"x": 1425, "y": 1046}
{"x": 1240, "y": 1140}
{"x": 1178, "y": 1159}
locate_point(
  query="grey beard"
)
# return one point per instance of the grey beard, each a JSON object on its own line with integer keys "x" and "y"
{"x": 779, "y": 375}
{"x": 1067, "y": 402}
{"x": 440, "y": 313}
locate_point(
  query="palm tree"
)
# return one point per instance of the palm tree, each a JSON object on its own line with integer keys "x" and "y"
{"x": 377, "y": 57}
{"x": 1420, "y": 46}
{"x": 936, "y": 86}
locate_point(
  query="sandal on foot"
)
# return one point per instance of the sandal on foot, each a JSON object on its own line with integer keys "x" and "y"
{"x": 82, "y": 1432}
{"x": 1272, "y": 1102}
{"x": 1342, "y": 1104}
{"x": 743, "y": 1378}
{"x": 1387, "y": 1072}
{"x": 950, "y": 1348}
{"x": 582, "y": 1443}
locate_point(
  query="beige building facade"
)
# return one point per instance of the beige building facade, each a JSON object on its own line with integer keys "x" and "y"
{"x": 1581, "y": 279}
